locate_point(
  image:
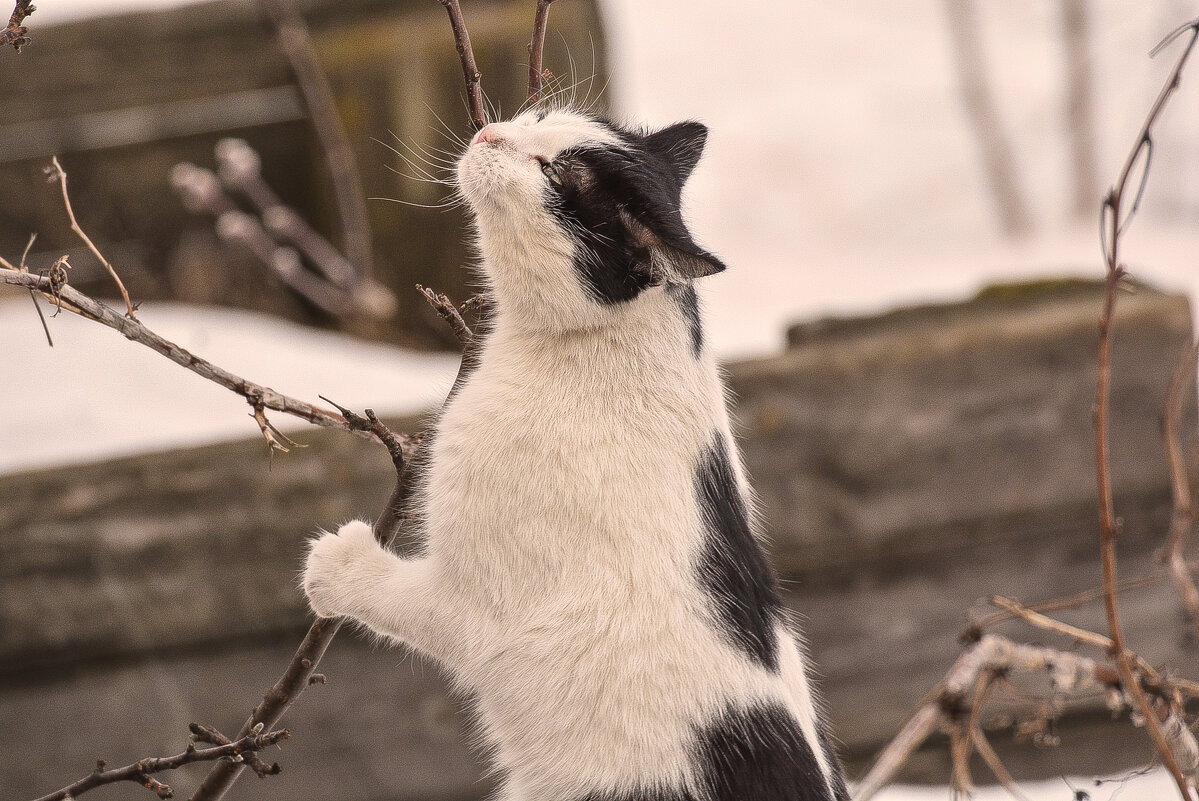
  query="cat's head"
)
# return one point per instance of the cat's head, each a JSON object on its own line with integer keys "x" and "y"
{"x": 577, "y": 216}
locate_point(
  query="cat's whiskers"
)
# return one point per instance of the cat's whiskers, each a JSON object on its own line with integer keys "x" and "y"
{"x": 433, "y": 172}
{"x": 448, "y": 203}
{"x": 446, "y": 130}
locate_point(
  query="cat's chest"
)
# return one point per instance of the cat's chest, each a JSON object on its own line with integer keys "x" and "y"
{"x": 579, "y": 394}
{"x": 582, "y": 434}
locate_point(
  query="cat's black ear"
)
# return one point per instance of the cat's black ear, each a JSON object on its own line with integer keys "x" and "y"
{"x": 689, "y": 264}
{"x": 670, "y": 255}
{"x": 680, "y": 145}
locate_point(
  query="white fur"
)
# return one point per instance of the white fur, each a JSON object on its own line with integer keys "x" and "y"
{"x": 559, "y": 582}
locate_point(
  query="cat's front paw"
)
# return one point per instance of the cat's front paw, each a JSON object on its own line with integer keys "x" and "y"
{"x": 333, "y": 570}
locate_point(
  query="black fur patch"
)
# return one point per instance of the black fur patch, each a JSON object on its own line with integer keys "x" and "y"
{"x": 614, "y": 266}
{"x": 733, "y": 569}
{"x": 622, "y": 204}
{"x": 684, "y": 297}
{"x": 758, "y": 754}
{"x": 641, "y": 795}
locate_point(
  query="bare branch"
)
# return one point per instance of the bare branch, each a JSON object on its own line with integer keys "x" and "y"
{"x": 1114, "y": 226}
{"x": 300, "y": 672}
{"x": 142, "y": 770}
{"x": 207, "y": 734}
{"x": 920, "y": 725}
{"x": 982, "y": 113}
{"x": 256, "y": 394}
{"x": 240, "y": 168}
{"x": 56, "y": 173}
{"x": 201, "y": 193}
{"x": 1070, "y": 673}
{"x": 1074, "y": 601}
{"x": 994, "y": 763}
{"x": 275, "y": 703}
{"x": 446, "y": 309}
{"x": 296, "y": 43}
{"x": 470, "y": 71}
{"x": 537, "y": 49}
{"x": 16, "y": 33}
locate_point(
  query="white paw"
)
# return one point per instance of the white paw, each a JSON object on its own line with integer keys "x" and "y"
{"x": 332, "y": 573}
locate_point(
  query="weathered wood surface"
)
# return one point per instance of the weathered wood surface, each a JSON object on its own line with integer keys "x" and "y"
{"x": 122, "y": 99}
{"x": 906, "y": 466}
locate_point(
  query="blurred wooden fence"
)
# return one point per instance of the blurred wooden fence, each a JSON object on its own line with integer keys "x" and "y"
{"x": 122, "y": 99}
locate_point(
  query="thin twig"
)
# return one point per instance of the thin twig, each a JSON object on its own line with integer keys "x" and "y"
{"x": 994, "y": 763}
{"x": 1070, "y": 673}
{"x": 75, "y": 301}
{"x": 56, "y": 172}
{"x": 296, "y": 43}
{"x": 345, "y": 293}
{"x": 446, "y": 309}
{"x": 276, "y": 440}
{"x": 1114, "y": 227}
{"x": 1049, "y": 624}
{"x": 470, "y": 71}
{"x": 537, "y": 50}
{"x": 207, "y": 734}
{"x": 142, "y": 770}
{"x": 372, "y": 424}
{"x": 16, "y": 34}
{"x": 1073, "y": 601}
{"x": 275, "y": 703}
{"x": 32, "y": 295}
{"x": 1106, "y": 644}
{"x": 960, "y": 782}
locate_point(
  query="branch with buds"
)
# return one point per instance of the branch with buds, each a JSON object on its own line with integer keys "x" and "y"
{"x": 335, "y": 285}
{"x": 239, "y": 751}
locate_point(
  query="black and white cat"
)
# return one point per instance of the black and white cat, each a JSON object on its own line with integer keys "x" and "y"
{"x": 591, "y": 574}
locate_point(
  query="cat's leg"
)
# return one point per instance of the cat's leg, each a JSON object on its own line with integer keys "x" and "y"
{"x": 348, "y": 574}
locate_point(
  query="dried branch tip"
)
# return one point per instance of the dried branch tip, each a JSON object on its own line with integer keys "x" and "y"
{"x": 276, "y": 440}
{"x": 16, "y": 33}
{"x": 55, "y": 172}
{"x": 446, "y": 309}
{"x": 470, "y": 71}
{"x": 537, "y": 74}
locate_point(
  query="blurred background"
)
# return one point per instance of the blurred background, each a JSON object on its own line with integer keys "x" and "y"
{"x": 907, "y": 195}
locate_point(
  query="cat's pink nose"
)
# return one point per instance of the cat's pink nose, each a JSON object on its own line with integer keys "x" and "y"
{"x": 488, "y": 134}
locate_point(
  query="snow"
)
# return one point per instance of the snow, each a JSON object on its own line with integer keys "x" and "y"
{"x": 841, "y": 175}
{"x": 95, "y": 395}
{"x": 1155, "y": 785}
